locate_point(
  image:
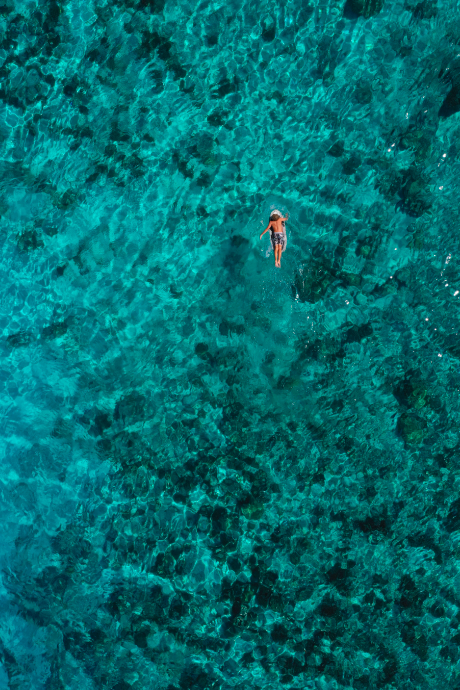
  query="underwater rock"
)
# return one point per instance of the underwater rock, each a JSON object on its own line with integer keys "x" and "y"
{"x": 337, "y": 149}
{"x": 268, "y": 29}
{"x": 201, "y": 349}
{"x": 452, "y": 345}
{"x": 426, "y": 541}
{"x": 311, "y": 282}
{"x": 238, "y": 241}
{"x": 451, "y": 103}
{"x": 363, "y": 94}
{"x": 412, "y": 392}
{"x": 426, "y": 9}
{"x": 227, "y": 328}
{"x": 19, "y": 339}
{"x": 218, "y": 118}
{"x": 452, "y": 520}
{"x": 367, "y": 246}
{"x": 411, "y": 187}
{"x": 351, "y": 165}
{"x": 279, "y": 633}
{"x": 29, "y": 241}
{"x": 362, "y": 8}
{"x": 225, "y": 87}
{"x": 418, "y": 141}
{"x": 55, "y": 330}
{"x": 416, "y": 641}
{"x": 356, "y": 334}
{"x": 412, "y": 428}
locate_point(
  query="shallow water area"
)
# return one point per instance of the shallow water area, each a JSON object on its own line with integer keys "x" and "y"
{"x": 217, "y": 473}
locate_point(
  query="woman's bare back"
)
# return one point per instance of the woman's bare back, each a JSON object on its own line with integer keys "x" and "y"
{"x": 277, "y": 225}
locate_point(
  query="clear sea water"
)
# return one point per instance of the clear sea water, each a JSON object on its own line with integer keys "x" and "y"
{"x": 216, "y": 473}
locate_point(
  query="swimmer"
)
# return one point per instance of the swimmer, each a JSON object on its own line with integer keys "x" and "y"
{"x": 279, "y": 235}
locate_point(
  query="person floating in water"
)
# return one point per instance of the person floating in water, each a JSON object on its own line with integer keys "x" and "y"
{"x": 278, "y": 234}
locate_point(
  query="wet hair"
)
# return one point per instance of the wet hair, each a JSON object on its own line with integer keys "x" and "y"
{"x": 275, "y": 216}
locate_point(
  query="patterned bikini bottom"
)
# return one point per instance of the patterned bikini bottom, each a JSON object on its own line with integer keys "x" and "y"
{"x": 278, "y": 238}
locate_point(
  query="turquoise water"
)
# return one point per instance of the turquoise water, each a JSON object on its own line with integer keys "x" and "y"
{"x": 217, "y": 473}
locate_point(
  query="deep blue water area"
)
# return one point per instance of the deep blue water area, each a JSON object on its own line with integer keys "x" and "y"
{"x": 217, "y": 473}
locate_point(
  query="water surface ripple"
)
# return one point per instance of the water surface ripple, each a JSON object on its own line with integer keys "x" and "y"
{"x": 218, "y": 474}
